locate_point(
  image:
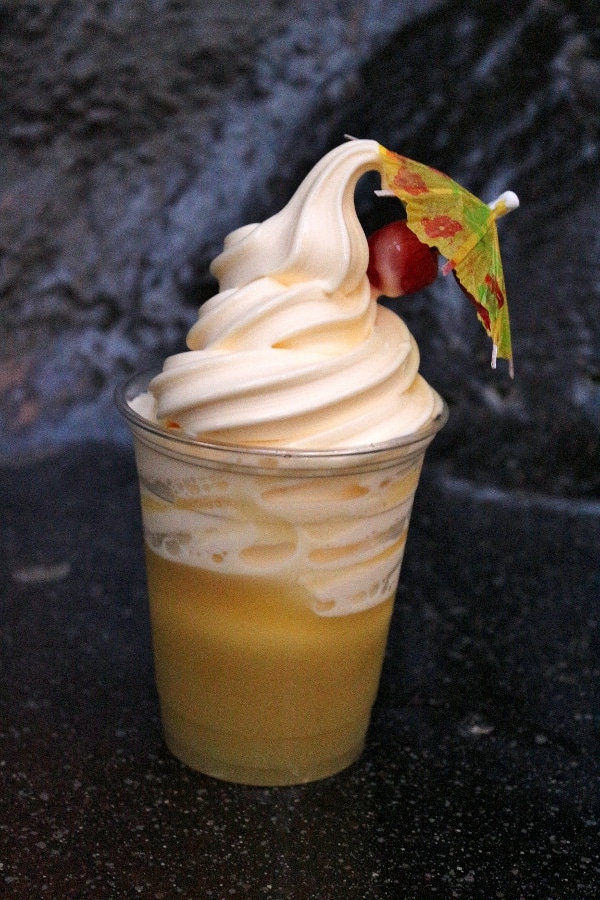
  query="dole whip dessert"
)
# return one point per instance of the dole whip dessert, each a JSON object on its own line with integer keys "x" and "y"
{"x": 278, "y": 458}
{"x": 294, "y": 351}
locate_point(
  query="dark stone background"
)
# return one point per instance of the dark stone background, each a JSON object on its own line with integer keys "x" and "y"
{"x": 136, "y": 133}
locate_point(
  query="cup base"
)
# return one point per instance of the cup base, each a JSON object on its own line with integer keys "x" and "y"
{"x": 248, "y": 760}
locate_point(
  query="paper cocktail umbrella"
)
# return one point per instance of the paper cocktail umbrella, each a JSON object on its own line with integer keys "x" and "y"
{"x": 444, "y": 215}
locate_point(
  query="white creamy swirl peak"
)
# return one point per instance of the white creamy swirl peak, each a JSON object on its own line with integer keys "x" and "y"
{"x": 294, "y": 351}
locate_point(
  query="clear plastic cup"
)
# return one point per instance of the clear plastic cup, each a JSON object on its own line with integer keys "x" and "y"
{"x": 271, "y": 579}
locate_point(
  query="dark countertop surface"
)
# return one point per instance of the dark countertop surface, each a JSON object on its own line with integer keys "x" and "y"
{"x": 481, "y": 772}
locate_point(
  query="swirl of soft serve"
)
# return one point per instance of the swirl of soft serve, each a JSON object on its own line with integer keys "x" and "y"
{"x": 295, "y": 351}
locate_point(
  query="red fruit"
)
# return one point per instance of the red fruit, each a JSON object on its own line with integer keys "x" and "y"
{"x": 399, "y": 263}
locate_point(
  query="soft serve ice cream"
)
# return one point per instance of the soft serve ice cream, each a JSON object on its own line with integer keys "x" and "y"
{"x": 294, "y": 351}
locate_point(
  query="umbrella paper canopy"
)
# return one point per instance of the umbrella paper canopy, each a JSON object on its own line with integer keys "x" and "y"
{"x": 446, "y": 216}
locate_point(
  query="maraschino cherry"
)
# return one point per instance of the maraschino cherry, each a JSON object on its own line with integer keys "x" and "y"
{"x": 399, "y": 263}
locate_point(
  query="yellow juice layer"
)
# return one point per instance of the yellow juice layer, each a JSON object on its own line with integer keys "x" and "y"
{"x": 254, "y": 686}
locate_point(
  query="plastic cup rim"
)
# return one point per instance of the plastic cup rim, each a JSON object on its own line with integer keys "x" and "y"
{"x": 122, "y": 396}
